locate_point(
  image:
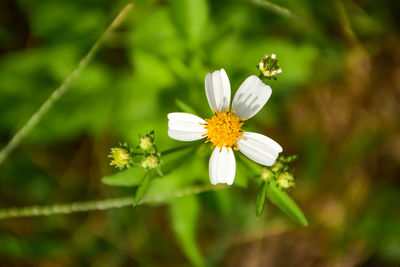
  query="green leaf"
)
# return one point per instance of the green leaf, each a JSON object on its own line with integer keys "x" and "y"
{"x": 131, "y": 177}
{"x": 285, "y": 203}
{"x": 174, "y": 160}
{"x": 260, "y": 199}
{"x": 184, "y": 107}
{"x": 190, "y": 17}
{"x": 142, "y": 188}
{"x": 184, "y": 214}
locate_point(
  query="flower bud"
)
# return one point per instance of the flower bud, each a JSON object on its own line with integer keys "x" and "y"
{"x": 278, "y": 166}
{"x": 285, "y": 180}
{"x": 267, "y": 175}
{"x": 146, "y": 143}
{"x": 151, "y": 162}
{"x": 120, "y": 157}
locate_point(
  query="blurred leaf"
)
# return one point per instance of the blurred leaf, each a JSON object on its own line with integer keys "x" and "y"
{"x": 285, "y": 203}
{"x": 190, "y": 17}
{"x": 131, "y": 177}
{"x": 260, "y": 199}
{"x": 15, "y": 246}
{"x": 151, "y": 69}
{"x": 184, "y": 214}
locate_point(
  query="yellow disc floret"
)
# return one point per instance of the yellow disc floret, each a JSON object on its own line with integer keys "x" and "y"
{"x": 223, "y": 129}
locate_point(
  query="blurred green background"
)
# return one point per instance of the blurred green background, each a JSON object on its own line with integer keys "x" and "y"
{"x": 336, "y": 105}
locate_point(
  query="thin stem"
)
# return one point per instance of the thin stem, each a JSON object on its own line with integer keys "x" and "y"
{"x": 60, "y": 91}
{"x": 179, "y": 148}
{"x": 112, "y": 203}
{"x": 344, "y": 22}
{"x": 278, "y": 9}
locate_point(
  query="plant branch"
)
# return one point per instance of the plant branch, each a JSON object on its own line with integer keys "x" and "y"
{"x": 278, "y": 9}
{"x": 179, "y": 148}
{"x": 112, "y": 203}
{"x": 60, "y": 91}
{"x": 345, "y": 22}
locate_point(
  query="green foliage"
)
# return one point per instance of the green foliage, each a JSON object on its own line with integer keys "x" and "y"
{"x": 184, "y": 213}
{"x": 190, "y": 17}
{"x": 285, "y": 203}
{"x": 332, "y": 104}
{"x": 130, "y": 177}
{"x": 261, "y": 198}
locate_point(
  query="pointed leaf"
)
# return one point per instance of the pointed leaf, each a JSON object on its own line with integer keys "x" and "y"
{"x": 260, "y": 199}
{"x": 129, "y": 177}
{"x": 285, "y": 203}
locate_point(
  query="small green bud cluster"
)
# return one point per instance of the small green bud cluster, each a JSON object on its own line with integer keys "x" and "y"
{"x": 151, "y": 157}
{"x": 280, "y": 172}
{"x": 277, "y": 174}
{"x": 269, "y": 67}
{"x": 145, "y": 155}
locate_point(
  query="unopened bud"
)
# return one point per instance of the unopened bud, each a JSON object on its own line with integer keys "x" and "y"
{"x": 267, "y": 175}
{"x": 278, "y": 166}
{"x": 120, "y": 157}
{"x": 146, "y": 143}
{"x": 151, "y": 162}
{"x": 285, "y": 180}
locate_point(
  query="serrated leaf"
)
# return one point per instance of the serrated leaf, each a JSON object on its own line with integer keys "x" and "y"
{"x": 184, "y": 214}
{"x": 131, "y": 177}
{"x": 285, "y": 203}
{"x": 261, "y": 199}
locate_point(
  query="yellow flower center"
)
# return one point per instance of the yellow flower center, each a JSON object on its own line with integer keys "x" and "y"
{"x": 223, "y": 129}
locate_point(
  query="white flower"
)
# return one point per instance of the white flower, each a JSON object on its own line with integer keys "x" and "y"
{"x": 223, "y": 130}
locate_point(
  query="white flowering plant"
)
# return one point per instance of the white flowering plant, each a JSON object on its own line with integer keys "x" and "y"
{"x": 212, "y": 143}
{"x": 225, "y": 133}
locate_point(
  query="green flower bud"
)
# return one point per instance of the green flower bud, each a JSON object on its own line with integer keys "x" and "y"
{"x": 120, "y": 157}
{"x": 285, "y": 180}
{"x": 278, "y": 166}
{"x": 267, "y": 175}
{"x": 146, "y": 143}
{"x": 151, "y": 162}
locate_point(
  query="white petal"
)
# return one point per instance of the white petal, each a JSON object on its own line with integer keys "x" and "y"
{"x": 185, "y": 126}
{"x": 222, "y": 166}
{"x": 250, "y": 97}
{"x": 259, "y": 148}
{"x": 218, "y": 90}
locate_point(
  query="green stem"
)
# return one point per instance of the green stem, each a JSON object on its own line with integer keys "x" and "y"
{"x": 179, "y": 148}
{"x": 344, "y": 22}
{"x": 60, "y": 91}
{"x": 112, "y": 203}
{"x": 278, "y": 9}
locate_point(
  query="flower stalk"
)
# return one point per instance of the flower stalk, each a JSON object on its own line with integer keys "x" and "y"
{"x": 111, "y": 203}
